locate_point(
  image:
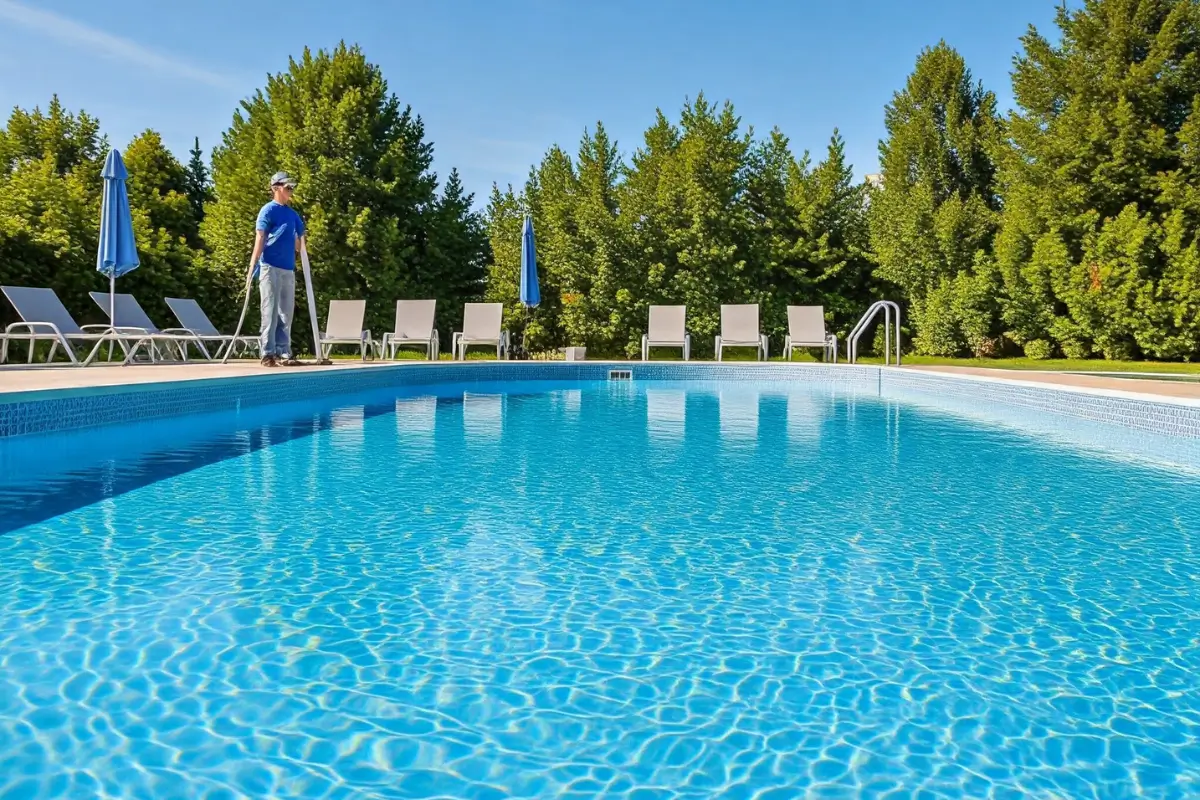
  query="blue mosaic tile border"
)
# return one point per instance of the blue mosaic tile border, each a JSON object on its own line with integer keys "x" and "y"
{"x": 51, "y": 411}
{"x": 45, "y": 412}
{"x": 1161, "y": 418}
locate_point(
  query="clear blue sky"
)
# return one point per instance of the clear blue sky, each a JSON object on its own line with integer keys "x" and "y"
{"x": 498, "y": 82}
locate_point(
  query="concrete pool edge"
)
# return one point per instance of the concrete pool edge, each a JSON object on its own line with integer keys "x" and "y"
{"x": 63, "y": 409}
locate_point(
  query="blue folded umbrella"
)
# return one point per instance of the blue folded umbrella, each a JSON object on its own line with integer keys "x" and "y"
{"x": 117, "y": 254}
{"x": 530, "y": 294}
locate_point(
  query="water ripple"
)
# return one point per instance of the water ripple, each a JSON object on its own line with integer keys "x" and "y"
{"x": 635, "y": 592}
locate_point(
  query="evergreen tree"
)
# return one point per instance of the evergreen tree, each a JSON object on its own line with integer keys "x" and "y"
{"x": 365, "y": 188}
{"x": 600, "y": 312}
{"x": 199, "y": 189}
{"x": 1097, "y": 246}
{"x": 933, "y": 221}
{"x": 166, "y": 230}
{"x": 505, "y": 219}
{"x": 827, "y": 262}
{"x": 704, "y": 182}
{"x": 644, "y": 223}
{"x": 452, "y": 256}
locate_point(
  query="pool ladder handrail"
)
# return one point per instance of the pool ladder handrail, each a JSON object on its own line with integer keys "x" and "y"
{"x": 887, "y": 306}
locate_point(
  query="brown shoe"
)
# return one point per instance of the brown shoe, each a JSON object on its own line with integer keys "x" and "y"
{"x": 289, "y": 362}
{"x": 269, "y": 361}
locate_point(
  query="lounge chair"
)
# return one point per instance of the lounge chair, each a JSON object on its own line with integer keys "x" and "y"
{"x": 192, "y": 317}
{"x": 344, "y": 325}
{"x": 739, "y": 328}
{"x": 45, "y": 319}
{"x": 481, "y": 325}
{"x": 667, "y": 328}
{"x": 129, "y": 315}
{"x": 806, "y": 328}
{"x": 414, "y": 326}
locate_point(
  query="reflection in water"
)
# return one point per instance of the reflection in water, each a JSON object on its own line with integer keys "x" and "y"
{"x": 739, "y": 416}
{"x": 569, "y": 401}
{"x": 347, "y": 428}
{"x": 805, "y": 415}
{"x": 483, "y": 415}
{"x": 416, "y": 422}
{"x": 666, "y": 414}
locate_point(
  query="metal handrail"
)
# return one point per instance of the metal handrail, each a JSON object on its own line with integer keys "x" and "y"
{"x": 887, "y": 306}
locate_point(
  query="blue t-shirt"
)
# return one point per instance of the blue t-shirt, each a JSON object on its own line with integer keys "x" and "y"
{"x": 282, "y": 225}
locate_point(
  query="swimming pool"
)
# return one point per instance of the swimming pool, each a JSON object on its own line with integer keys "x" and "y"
{"x": 595, "y": 589}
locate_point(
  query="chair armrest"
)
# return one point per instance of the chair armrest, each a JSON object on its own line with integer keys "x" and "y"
{"x": 32, "y": 327}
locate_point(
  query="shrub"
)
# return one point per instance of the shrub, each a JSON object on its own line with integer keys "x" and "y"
{"x": 1074, "y": 348}
{"x": 1038, "y": 349}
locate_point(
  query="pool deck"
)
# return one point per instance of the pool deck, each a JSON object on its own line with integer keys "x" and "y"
{"x": 1142, "y": 386}
{"x": 24, "y": 378}
{"x": 21, "y": 378}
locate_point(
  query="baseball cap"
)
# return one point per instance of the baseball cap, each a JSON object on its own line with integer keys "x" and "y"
{"x": 282, "y": 179}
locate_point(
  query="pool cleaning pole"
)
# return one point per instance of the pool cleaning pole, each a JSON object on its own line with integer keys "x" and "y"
{"x": 242, "y": 319}
{"x": 312, "y": 305}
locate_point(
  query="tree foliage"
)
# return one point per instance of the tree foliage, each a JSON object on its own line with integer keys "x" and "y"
{"x": 1098, "y": 242}
{"x": 702, "y": 214}
{"x": 933, "y": 221}
{"x": 198, "y": 184}
{"x": 1069, "y": 226}
{"x": 377, "y": 225}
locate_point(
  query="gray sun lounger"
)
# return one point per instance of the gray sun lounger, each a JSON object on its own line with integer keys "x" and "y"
{"x": 45, "y": 319}
{"x": 193, "y": 319}
{"x": 344, "y": 325}
{"x": 481, "y": 325}
{"x": 414, "y": 326}
{"x": 806, "y": 328}
{"x": 667, "y": 328}
{"x": 739, "y": 328}
{"x": 129, "y": 315}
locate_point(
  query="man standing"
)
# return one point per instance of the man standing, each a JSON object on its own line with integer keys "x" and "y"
{"x": 280, "y": 234}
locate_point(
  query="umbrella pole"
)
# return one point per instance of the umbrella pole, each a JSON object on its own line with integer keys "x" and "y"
{"x": 112, "y": 308}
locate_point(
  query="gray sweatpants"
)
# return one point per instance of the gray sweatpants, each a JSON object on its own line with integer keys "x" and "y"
{"x": 277, "y": 300}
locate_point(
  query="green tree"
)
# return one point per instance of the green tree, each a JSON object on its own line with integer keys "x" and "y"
{"x": 50, "y": 194}
{"x": 811, "y": 234}
{"x": 199, "y": 188}
{"x": 505, "y": 216}
{"x": 933, "y": 222}
{"x": 1097, "y": 248}
{"x": 597, "y": 280}
{"x": 50, "y": 184}
{"x": 701, "y": 215}
{"x": 166, "y": 230}
{"x": 366, "y": 192}
{"x": 645, "y": 222}
{"x": 452, "y": 252}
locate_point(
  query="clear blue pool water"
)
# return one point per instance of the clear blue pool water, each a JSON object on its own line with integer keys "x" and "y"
{"x": 608, "y": 590}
